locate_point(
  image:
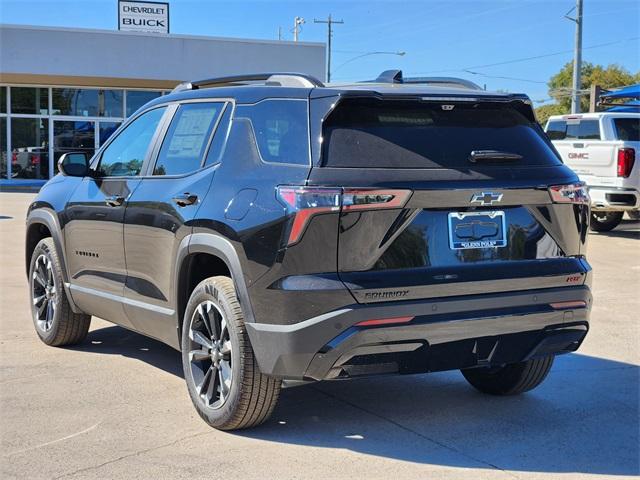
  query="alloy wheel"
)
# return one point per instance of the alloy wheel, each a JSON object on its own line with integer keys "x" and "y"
{"x": 210, "y": 351}
{"x": 44, "y": 293}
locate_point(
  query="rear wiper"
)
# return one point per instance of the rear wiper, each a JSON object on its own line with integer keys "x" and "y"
{"x": 493, "y": 155}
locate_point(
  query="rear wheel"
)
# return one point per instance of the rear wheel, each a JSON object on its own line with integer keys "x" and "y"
{"x": 605, "y": 221}
{"x": 225, "y": 384}
{"x": 511, "y": 379}
{"x": 55, "y": 321}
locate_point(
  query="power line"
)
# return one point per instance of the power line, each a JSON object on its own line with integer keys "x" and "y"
{"x": 524, "y": 59}
{"x": 503, "y": 77}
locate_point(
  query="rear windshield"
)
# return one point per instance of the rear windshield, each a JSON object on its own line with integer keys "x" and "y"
{"x": 574, "y": 129}
{"x": 627, "y": 129}
{"x": 364, "y": 133}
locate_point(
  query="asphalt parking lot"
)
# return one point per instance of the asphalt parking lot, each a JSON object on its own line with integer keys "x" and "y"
{"x": 117, "y": 407}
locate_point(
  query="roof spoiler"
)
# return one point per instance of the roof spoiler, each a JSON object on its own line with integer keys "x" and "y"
{"x": 395, "y": 76}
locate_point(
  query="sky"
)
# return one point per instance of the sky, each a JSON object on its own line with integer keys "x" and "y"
{"x": 511, "y": 45}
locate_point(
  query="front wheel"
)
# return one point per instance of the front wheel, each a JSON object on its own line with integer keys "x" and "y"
{"x": 605, "y": 221}
{"x": 55, "y": 321}
{"x": 512, "y": 379}
{"x": 225, "y": 384}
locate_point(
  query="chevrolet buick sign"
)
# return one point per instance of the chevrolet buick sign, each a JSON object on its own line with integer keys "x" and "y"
{"x": 151, "y": 17}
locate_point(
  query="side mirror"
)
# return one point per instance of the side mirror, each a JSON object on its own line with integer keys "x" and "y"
{"x": 74, "y": 164}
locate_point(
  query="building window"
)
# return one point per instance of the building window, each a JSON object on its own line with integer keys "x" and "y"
{"x": 87, "y": 102}
{"x": 33, "y": 101}
{"x": 3, "y": 147}
{"x": 137, "y": 98}
{"x": 3, "y": 99}
{"x": 80, "y": 119}
{"x": 106, "y": 129}
{"x": 30, "y": 148}
{"x": 73, "y": 136}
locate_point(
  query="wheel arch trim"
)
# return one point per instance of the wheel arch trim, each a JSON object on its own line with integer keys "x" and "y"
{"x": 48, "y": 218}
{"x": 220, "y": 247}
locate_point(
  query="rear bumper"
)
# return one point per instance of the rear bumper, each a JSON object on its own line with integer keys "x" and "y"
{"x": 446, "y": 334}
{"x": 614, "y": 199}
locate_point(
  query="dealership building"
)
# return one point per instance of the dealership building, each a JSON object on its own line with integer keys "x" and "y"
{"x": 65, "y": 89}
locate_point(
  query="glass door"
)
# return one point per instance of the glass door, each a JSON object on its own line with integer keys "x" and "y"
{"x": 73, "y": 136}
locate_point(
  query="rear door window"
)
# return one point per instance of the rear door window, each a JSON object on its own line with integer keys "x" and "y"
{"x": 363, "y": 133}
{"x": 187, "y": 139}
{"x": 627, "y": 129}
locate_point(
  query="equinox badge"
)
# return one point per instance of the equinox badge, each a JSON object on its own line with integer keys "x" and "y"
{"x": 486, "y": 198}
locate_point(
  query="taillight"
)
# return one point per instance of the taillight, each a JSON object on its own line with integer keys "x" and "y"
{"x": 354, "y": 199}
{"x": 305, "y": 202}
{"x": 572, "y": 193}
{"x": 14, "y": 158}
{"x": 626, "y": 158}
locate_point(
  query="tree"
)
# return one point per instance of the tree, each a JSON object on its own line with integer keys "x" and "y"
{"x": 610, "y": 77}
{"x": 545, "y": 111}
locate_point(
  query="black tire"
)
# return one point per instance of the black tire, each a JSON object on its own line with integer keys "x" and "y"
{"x": 232, "y": 393}
{"x": 511, "y": 379}
{"x": 605, "y": 221}
{"x": 56, "y": 324}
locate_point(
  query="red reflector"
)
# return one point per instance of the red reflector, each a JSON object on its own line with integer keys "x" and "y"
{"x": 384, "y": 321}
{"x": 626, "y": 159}
{"x": 570, "y": 304}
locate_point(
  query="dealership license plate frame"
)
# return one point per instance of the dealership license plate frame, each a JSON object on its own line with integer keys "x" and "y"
{"x": 497, "y": 216}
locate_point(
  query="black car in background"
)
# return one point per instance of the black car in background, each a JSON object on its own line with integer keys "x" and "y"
{"x": 277, "y": 230}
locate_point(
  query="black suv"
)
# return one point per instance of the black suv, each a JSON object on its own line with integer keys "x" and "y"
{"x": 277, "y": 230}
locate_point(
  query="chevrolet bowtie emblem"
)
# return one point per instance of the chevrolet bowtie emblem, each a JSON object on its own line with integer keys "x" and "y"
{"x": 486, "y": 198}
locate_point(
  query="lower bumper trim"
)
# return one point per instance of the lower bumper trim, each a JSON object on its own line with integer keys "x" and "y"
{"x": 311, "y": 349}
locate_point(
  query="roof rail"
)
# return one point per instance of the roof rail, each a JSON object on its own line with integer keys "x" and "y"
{"x": 280, "y": 79}
{"x": 395, "y": 76}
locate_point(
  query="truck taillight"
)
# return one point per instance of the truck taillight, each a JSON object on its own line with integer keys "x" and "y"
{"x": 306, "y": 202}
{"x": 572, "y": 193}
{"x": 626, "y": 158}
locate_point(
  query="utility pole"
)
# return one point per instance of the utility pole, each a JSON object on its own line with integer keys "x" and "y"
{"x": 329, "y": 21}
{"x": 296, "y": 27}
{"x": 279, "y": 33}
{"x": 577, "y": 58}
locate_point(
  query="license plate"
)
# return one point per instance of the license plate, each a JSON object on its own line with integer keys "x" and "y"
{"x": 476, "y": 230}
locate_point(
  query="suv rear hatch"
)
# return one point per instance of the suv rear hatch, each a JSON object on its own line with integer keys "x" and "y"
{"x": 448, "y": 196}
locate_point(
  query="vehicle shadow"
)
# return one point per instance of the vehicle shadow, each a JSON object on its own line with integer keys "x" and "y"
{"x": 114, "y": 340}
{"x": 626, "y": 229}
{"x": 585, "y": 417}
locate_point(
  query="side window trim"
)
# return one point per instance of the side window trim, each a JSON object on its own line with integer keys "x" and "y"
{"x": 159, "y": 140}
{"x": 97, "y": 159}
{"x": 161, "y": 132}
{"x": 203, "y": 160}
{"x": 230, "y": 109}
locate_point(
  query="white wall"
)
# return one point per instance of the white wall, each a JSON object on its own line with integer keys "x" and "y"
{"x": 103, "y": 53}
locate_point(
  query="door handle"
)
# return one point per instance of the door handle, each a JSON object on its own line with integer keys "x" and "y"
{"x": 114, "y": 200}
{"x": 185, "y": 199}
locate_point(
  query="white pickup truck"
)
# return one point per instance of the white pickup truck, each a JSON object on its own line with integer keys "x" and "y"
{"x": 604, "y": 150}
